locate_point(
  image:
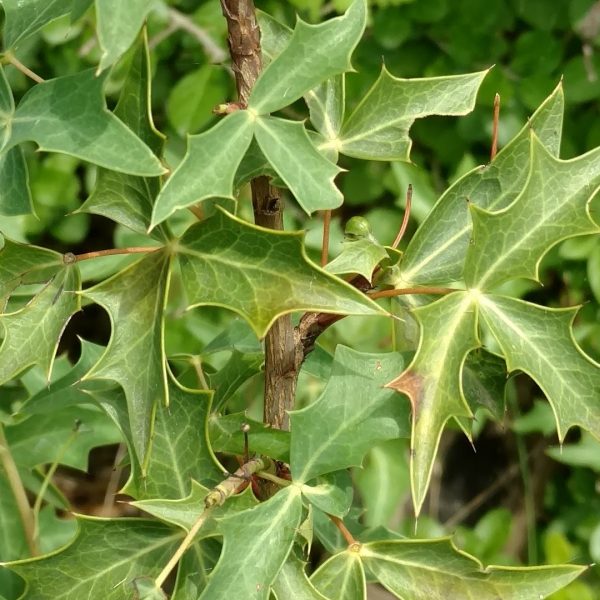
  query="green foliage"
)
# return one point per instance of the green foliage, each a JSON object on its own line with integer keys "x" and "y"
{"x": 177, "y": 382}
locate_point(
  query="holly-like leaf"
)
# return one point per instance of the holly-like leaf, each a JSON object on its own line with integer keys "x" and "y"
{"x": 274, "y": 36}
{"x": 341, "y": 576}
{"x": 118, "y": 25}
{"x": 271, "y": 525}
{"x": 437, "y": 251}
{"x": 209, "y": 167}
{"x": 135, "y": 300}
{"x": 305, "y": 171}
{"x": 259, "y": 273}
{"x": 123, "y": 198}
{"x": 314, "y": 53}
{"x": 359, "y": 256}
{"x": 331, "y": 493}
{"x": 353, "y": 412}
{"x": 436, "y": 570}
{"x": 433, "y": 380}
{"x": 292, "y": 582}
{"x": 31, "y": 334}
{"x": 553, "y": 206}
{"x": 378, "y": 127}
{"x": 15, "y": 195}
{"x": 93, "y": 134}
{"x": 327, "y": 104}
{"x": 226, "y": 436}
{"x": 539, "y": 341}
{"x": 484, "y": 381}
{"x": 24, "y": 17}
{"x": 102, "y": 562}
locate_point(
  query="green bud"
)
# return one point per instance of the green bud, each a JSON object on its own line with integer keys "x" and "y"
{"x": 357, "y": 228}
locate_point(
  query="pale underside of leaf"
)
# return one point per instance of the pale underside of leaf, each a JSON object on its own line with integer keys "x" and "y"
{"x": 433, "y": 380}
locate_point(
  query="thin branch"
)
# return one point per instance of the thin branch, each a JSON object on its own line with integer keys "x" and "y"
{"x": 273, "y": 478}
{"x": 326, "y": 228}
{"x": 182, "y": 21}
{"x": 197, "y": 364}
{"x": 405, "y": 219}
{"x": 344, "y": 531}
{"x": 113, "y": 482}
{"x": 18, "y": 490}
{"x": 494, "y": 149}
{"x": 11, "y": 59}
{"x": 69, "y": 258}
{"x": 437, "y": 291}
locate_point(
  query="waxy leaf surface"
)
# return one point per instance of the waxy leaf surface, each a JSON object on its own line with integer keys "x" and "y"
{"x": 118, "y": 25}
{"x": 433, "y": 380}
{"x": 102, "y": 562}
{"x": 209, "y": 167}
{"x": 78, "y": 124}
{"x": 437, "y": 251}
{"x": 260, "y": 274}
{"x": 31, "y": 334}
{"x": 360, "y": 256}
{"x": 553, "y": 206}
{"x": 378, "y": 127}
{"x": 128, "y": 199}
{"x": 341, "y": 576}
{"x": 305, "y": 171}
{"x": 326, "y": 104}
{"x": 539, "y": 341}
{"x": 314, "y": 53}
{"x": 436, "y": 570}
{"x": 135, "y": 300}
{"x": 292, "y": 582}
{"x": 246, "y": 535}
{"x": 353, "y": 412}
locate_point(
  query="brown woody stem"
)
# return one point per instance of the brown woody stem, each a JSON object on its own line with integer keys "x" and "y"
{"x": 69, "y": 258}
{"x": 411, "y": 291}
{"x": 282, "y": 354}
{"x": 405, "y": 219}
{"x": 343, "y": 530}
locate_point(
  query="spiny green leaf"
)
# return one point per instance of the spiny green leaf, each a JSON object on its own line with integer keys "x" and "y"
{"x": 246, "y": 535}
{"x": 185, "y": 512}
{"x": 436, "y": 570}
{"x": 274, "y": 36}
{"x": 433, "y": 380}
{"x": 437, "y": 251}
{"x": 378, "y": 127}
{"x": 118, "y": 25}
{"x": 341, "y": 576}
{"x": 353, "y": 412}
{"x": 360, "y": 256}
{"x": 226, "y": 436}
{"x": 292, "y": 582}
{"x": 135, "y": 300}
{"x": 314, "y": 53}
{"x": 123, "y": 198}
{"x": 553, "y": 206}
{"x": 327, "y": 105}
{"x": 94, "y": 134}
{"x": 102, "y": 562}
{"x": 539, "y": 341}
{"x": 331, "y": 493}
{"x": 24, "y": 17}
{"x": 259, "y": 273}
{"x": 31, "y": 334}
{"x": 15, "y": 195}
{"x": 305, "y": 171}
{"x": 209, "y": 166}
{"x": 483, "y": 382}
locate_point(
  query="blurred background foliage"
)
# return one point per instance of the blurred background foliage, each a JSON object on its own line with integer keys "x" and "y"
{"x": 520, "y": 498}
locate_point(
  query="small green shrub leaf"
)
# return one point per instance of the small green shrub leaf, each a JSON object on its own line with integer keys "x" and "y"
{"x": 292, "y": 582}
{"x": 359, "y": 257}
{"x": 327, "y": 104}
{"x": 15, "y": 195}
{"x": 341, "y": 576}
{"x": 331, "y": 493}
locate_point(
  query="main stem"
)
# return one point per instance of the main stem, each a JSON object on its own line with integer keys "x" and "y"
{"x": 282, "y": 356}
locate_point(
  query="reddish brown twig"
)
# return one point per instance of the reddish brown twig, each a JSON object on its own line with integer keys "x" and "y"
{"x": 494, "y": 149}
{"x": 69, "y": 258}
{"x": 326, "y": 228}
{"x": 437, "y": 291}
{"x": 351, "y": 541}
{"x": 409, "y": 192}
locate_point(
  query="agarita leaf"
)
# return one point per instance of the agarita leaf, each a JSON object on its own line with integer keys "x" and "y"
{"x": 314, "y": 53}
{"x": 353, "y": 412}
{"x": 553, "y": 206}
{"x": 326, "y": 104}
{"x": 128, "y": 199}
{"x": 24, "y": 17}
{"x": 358, "y": 256}
{"x": 102, "y": 562}
{"x": 274, "y": 36}
{"x": 246, "y": 535}
{"x": 292, "y": 582}
{"x": 208, "y": 168}
{"x": 15, "y": 195}
{"x": 437, "y": 251}
{"x": 78, "y": 125}
{"x": 135, "y": 300}
{"x": 539, "y": 341}
{"x": 433, "y": 380}
{"x": 378, "y": 127}
{"x": 341, "y": 576}
{"x": 484, "y": 381}
{"x": 436, "y": 570}
{"x": 118, "y": 25}
{"x": 305, "y": 171}
{"x": 31, "y": 334}
{"x": 331, "y": 493}
{"x": 259, "y": 273}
